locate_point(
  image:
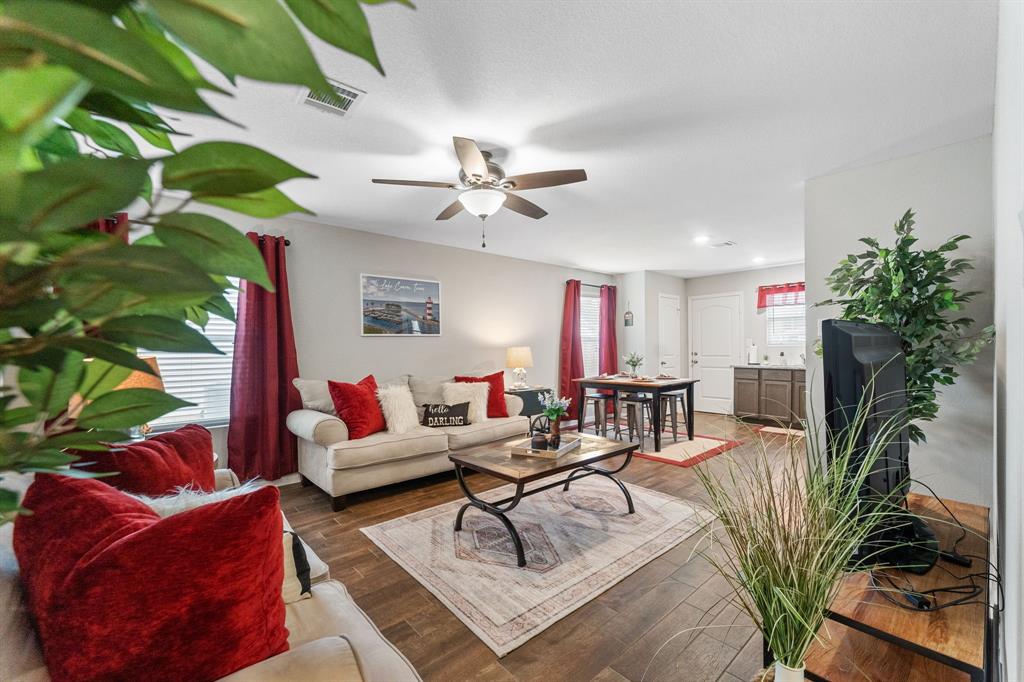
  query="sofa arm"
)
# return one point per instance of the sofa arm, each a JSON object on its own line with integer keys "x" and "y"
{"x": 514, "y": 404}
{"x": 328, "y": 659}
{"x": 224, "y": 479}
{"x": 323, "y": 429}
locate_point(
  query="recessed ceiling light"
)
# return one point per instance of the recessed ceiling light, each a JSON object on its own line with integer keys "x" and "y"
{"x": 701, "y": 239}
{"x": 759, "y": 259}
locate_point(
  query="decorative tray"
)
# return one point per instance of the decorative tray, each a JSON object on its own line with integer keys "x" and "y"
{"x": 523, "y": 449}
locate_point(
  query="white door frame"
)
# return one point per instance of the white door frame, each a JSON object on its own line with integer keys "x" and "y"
{"x": 690, "y": 327}
{"x": 680, "y": 360}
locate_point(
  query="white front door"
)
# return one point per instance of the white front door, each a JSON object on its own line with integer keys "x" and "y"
{"x": 716, "y": 344}
{"x": 668, "y": 334}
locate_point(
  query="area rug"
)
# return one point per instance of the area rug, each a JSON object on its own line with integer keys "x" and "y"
{"x": 578, "y": 544}
{"x": 687, "y": 453}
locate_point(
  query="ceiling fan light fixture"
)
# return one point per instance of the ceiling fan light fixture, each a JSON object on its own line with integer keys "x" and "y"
{"x": 482, "y": 202}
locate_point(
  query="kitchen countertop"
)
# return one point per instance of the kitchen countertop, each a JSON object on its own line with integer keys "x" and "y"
{"x": 769, "y": 366}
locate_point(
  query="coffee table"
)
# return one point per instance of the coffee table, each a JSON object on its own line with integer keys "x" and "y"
{"x": 495, "y": 459}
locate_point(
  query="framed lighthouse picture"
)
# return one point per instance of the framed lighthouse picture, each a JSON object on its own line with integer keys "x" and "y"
{"x": 400, "y": 306}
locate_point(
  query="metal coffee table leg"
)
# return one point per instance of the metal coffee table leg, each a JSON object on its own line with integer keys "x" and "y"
{"x": 494, "y": 510}
{"x": 588, "y": 470}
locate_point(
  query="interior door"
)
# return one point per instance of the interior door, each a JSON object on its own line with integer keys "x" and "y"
{"x": 716, "y": 344}
{"x": 668, "y": 334}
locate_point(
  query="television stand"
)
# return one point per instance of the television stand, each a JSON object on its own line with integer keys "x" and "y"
{"x": 867, "y": 637}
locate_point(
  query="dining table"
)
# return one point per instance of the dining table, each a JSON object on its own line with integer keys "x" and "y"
{"x": 655, "y": 386}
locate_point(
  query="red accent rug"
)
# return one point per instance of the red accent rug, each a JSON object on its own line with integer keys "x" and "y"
{"x": 687, "y": 453}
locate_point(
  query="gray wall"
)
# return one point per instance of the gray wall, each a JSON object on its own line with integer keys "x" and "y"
{"x": 1008, "y": 166}
{"x": 631, "y": 296}
{"x": 950, "y": 189}
{"x": 488, "y": 302}
{"x": 754, "y": 321}
{"x": 640, "y": 290}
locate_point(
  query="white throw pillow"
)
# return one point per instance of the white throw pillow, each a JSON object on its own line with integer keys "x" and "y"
{"x": 399, "y": 409}
{"x": 296, "y": 583}
{"x": 475, "y": 393}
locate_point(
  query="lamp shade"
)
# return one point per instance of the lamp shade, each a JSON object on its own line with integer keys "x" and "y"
{"x": 139, "y": 379}
{"x": 518, "y": 356}
{"x": 482, "y": 202}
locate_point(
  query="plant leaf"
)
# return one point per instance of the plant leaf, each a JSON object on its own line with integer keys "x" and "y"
{"x": 90, "y": 43}
{"x": 154, "y": 332}
{"x": 145, "y": 270}
{"x": 267, "y": 203}
{"x": 214, "y": 246}
{"x": 252, "y": 38}
{"x": 224, "y": 168}
{"x": 34, "y": 98}
{"x": 127, "y": 408}
{"x": 106, "y": 135}
{"x": 111, "y": 106}
{"x": 339, "y": 22}
{"x": 103, "y": 350}
{"x": 72, "y": 193}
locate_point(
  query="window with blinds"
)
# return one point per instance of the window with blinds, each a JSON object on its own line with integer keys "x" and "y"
{"x": 786, "y": 315}
{"x": 201, "y": 378}
{"x": 590, "y": 318}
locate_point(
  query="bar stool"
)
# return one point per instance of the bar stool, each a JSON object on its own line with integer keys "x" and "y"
{"x": 670, "y": 401}
{"x": 636, "y": 405}
{"x": 600, "y": 402}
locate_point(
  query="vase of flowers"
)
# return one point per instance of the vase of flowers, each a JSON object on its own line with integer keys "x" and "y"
{"x": 633, "y": 360}
{"x": 554, "y": 410}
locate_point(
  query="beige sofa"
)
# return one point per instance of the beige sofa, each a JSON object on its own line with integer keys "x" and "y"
{"x": 329, "y": 636}
{"x": 338, "y": 466}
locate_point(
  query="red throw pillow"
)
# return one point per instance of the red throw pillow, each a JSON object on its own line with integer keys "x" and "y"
{"x": 117, "y": 593}
{"x": 496, "y": 406}
{"x": 158, "y": 465}
{"x": 357, "y": 406}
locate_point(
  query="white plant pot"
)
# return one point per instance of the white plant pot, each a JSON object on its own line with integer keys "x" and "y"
{"x": 783, "y": 673}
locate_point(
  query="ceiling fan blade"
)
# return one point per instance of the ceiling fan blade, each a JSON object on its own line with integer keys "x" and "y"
{"x": 521, "y": 205}
{"x": 472, "y": 161}
{"x": 452, "y": 210}
{"x": 414, "y": 183}
{"x": 547, "y": 179}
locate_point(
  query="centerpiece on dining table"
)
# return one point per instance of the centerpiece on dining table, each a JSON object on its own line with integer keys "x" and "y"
{"x": 633, "y": 360}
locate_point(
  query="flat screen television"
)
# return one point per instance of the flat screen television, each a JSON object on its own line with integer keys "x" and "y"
{"x": 859, "y": 357}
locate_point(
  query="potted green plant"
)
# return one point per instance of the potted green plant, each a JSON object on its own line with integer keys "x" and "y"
{"x": 790, "y": 525}
{"x": 912, "y": 292}
{"x": 83, "y": 84}
{"x": 633, "y": 360}
{"x": 554, "y": 409}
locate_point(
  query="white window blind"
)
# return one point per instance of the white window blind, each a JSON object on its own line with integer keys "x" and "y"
{"x": 201, "y": 378}
{"x": 786, "y": 319}
{"x": 590, "y": 320}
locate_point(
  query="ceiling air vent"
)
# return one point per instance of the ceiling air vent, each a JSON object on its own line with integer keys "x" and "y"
{"x": 341, "y": 102}
{"x": 721, "y": 245}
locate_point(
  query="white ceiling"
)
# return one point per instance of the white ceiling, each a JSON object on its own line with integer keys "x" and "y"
{"x": 690, "y": 118}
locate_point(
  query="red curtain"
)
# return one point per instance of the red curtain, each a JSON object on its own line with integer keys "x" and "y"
{"x": 262, "y": 395}
{"x": 116, "y": 225}
{"x": 780, "y": 294}
{"x": 570, "y": 356}
{"x": 607, "y": 346}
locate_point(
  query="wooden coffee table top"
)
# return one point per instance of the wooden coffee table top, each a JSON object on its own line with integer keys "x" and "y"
{"x": 495, "y": 459}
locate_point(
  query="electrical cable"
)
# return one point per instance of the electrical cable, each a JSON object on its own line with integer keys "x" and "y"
{"x": 927, "y": 600}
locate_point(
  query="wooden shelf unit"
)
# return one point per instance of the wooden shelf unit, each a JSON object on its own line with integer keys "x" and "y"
{"x": 867, "y": 637}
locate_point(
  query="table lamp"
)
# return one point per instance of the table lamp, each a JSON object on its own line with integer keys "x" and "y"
{"x": 518, "y": 358}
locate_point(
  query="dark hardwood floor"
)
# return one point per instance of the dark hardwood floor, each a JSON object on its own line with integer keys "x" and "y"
{"x": 668, "y": 621}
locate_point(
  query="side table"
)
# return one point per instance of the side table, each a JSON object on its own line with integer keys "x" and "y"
{"x": 531, "y": 399}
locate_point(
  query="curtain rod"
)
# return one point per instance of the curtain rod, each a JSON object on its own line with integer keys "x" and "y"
{"x": 595, "y": 286}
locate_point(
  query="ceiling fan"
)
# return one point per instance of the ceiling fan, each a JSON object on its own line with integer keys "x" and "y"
{"x": 485, "y": 188}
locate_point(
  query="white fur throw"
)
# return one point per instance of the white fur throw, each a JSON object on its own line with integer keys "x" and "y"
{"x": 475, "y": 393}
{"x": 399, "y": 408}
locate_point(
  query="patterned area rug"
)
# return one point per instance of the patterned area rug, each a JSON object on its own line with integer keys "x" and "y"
{"x": 687, "y": 453}
{"x": 577, "y": 544}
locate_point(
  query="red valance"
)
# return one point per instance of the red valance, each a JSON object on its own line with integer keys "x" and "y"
{"x": 781, "y": 294}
